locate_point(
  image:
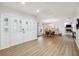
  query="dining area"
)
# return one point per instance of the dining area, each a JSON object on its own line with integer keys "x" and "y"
{"x": 51, "y": 31}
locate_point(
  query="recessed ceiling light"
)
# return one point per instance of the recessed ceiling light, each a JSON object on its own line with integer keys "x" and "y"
{"x": 23, "y": 2}
{"x": 37, "y": 10}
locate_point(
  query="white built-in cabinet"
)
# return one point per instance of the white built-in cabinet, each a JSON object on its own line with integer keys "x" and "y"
{"x": 5, "y": 36}
{"x": 0, "y": 30}
{"x": 20, "y": 29}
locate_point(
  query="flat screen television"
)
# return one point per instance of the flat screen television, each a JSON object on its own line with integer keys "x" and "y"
{"x": 68, "y": 26}
{"x": 77, "y": 26}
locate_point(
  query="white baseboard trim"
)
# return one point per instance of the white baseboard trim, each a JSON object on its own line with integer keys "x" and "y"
{"x": 18, "y": 44}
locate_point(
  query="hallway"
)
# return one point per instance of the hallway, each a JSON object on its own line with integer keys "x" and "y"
{"x": 44, "y": 46}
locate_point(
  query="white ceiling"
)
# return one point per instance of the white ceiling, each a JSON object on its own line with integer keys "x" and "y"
{"x": 56, "y": 10}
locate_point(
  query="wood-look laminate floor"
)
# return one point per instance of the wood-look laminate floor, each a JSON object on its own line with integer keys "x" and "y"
{"x": 44, "y": 46}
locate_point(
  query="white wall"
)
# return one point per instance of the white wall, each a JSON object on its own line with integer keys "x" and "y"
{"x": 77, "y": 38}
{"x": 0, "y": 29}
{"x": 77, "y": 30}
{"x": 14, "y": 36}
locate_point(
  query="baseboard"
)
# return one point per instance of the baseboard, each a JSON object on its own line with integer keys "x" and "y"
{"x": 39, "y": 35}
{"x": 19, "y": 44}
